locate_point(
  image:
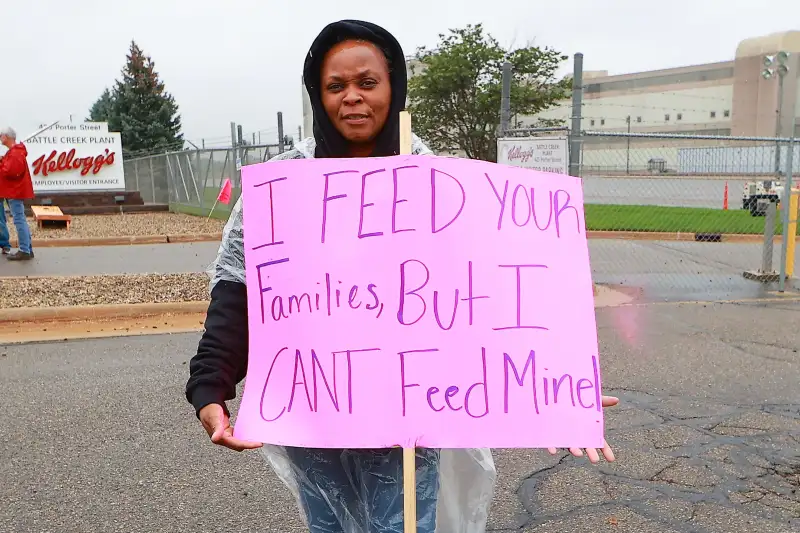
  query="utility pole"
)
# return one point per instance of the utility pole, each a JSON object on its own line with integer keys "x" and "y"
{"x": 788, "y": 216}
{"x": 777, "y": 65}
{"x": 577, "y": 105}
{"x": 280, "y": 132}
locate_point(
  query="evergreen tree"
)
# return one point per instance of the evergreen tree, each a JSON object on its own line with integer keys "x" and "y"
{"x": 102, "y": 109}
{"x": 142, "y": 111}
{"x": 455, "y": 99}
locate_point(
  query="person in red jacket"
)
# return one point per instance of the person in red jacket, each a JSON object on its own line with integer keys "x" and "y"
{"x": 15, "y": 187}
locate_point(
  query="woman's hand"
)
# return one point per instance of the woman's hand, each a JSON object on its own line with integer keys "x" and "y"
{"x": 608, "y": 453}
{"x": 218, "y": 426}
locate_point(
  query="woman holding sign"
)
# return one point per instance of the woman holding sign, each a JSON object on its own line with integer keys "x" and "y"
{"x": 356, "y": 78}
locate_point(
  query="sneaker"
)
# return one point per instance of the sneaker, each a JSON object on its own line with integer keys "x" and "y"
{"x": 20, "y": 256}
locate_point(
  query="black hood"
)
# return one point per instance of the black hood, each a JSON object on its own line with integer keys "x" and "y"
{"x": 330, "y": 142}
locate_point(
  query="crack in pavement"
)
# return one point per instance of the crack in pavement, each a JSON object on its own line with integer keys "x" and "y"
{"x": 756, "y": 473}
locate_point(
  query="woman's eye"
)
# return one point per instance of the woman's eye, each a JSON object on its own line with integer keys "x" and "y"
{"x": 335, "y": 87}
{"x": 369, "y": 83}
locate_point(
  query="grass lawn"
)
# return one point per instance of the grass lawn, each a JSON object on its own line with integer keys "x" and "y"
{"x": 221, "y": 211}
{"x": 602, "y": 217}
{"x": 673, "y": 219}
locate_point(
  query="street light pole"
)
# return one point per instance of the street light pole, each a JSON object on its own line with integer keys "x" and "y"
{"x": 781, "y": 58}
{"x": 778, "y": 125}
{"x": 777, "y": 65}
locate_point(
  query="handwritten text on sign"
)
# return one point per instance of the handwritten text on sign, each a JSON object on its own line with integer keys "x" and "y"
{"x": 417, "y": 300}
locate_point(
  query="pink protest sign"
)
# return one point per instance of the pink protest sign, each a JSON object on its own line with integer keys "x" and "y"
{"x": 417, "y": 301}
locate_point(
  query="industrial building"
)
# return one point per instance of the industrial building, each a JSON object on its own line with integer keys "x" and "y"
{"x": 730, "y": 98}
{"x": 727, "y": 98}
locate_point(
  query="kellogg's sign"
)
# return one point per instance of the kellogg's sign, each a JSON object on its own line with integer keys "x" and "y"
{"x": 76, "y": 157}
{"x": 546, "y": 154}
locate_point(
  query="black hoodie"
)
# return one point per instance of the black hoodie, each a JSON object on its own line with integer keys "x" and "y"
{"x": 221, "y": 359}
{"x": 330, "y": 142}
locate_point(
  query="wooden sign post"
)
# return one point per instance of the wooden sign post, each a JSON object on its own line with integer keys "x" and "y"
{"x": 409, "y": 454}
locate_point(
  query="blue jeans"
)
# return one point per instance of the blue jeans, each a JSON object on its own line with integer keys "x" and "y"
{"x": 17, "y": 208}
{"x": 348, "y": 491}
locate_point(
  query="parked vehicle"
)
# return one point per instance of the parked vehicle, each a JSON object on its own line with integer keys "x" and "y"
{"x": 757, "y": 194}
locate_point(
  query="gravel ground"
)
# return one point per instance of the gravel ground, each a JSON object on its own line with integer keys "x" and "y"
{"x": 86, "y": 226}
{"x": 97, "y": 290}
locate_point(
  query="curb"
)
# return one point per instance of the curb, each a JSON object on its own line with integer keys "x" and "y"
{"x": 94, "y": 312}
{"x": 122, "y": 241}
{"x": 216, "y": 237}
{"x": 679, "y": 236}
{"x": 199, "y": 237}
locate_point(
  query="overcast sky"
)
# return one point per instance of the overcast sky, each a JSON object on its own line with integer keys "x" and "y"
{"x": 241, "y": 60}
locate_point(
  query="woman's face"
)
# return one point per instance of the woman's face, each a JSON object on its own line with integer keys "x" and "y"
{"x": 356, "y": 92}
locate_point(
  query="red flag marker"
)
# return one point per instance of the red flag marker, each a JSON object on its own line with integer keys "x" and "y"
{"x": 224, "y": 195}
{"x": 225, "y": 192}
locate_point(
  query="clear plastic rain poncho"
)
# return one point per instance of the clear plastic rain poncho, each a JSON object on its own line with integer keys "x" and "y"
{"x": 361, "y": 491}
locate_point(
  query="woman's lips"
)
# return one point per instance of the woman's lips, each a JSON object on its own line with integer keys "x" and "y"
{"x": 355, "y": 118}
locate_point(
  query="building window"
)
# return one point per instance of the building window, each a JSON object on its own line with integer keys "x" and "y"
{"x": 713, "y": 114}
{"x": 726, "y": 113}
{"x": 592, "y": 122}
{"x": 602, "y": 122}
{"x": 680, "y": 116}
{"x": 638, "y": 119}
{"x": 666, "y": 118}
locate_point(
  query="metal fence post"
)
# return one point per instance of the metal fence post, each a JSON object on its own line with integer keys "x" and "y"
{"x": 577, "y": 104}
{"x": 787, "y": 215}
{"x": 237, "y": 178}
{"x": 769, "y": 236}
{"x": 136, "y": 173}
{"x": 280, "y": 132}
{"x": 153, "y": 181}
{"x": 505, "y": 99}
{"x": 198, "y": 173}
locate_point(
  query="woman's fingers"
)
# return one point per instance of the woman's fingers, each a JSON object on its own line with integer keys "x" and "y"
{"x": 608, "y": 453}
{"x": 609, "y": 401}
{"x": 593, "y": 456}
{"x": 223, "y": 436}
{"x": 591, "y": 453}
{"x": 238, "y": 444}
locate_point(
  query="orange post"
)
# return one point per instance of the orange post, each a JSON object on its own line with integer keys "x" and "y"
{"x": 725, "y": 198}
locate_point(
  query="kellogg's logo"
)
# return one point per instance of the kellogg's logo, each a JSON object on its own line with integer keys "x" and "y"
{"x": 516, "y": 153}
{"x": 60, "y": 162}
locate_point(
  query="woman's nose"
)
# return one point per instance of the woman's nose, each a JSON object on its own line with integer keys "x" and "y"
{"x": 352, "y": 97}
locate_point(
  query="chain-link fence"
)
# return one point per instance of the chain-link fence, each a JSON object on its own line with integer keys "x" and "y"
{"x": 190, "y": 180}
{"x": 685, "y": 215}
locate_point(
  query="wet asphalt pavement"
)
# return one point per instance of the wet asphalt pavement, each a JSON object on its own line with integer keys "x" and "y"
{"x": 98, "y": 437}
{"x": 125, "y": 259}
